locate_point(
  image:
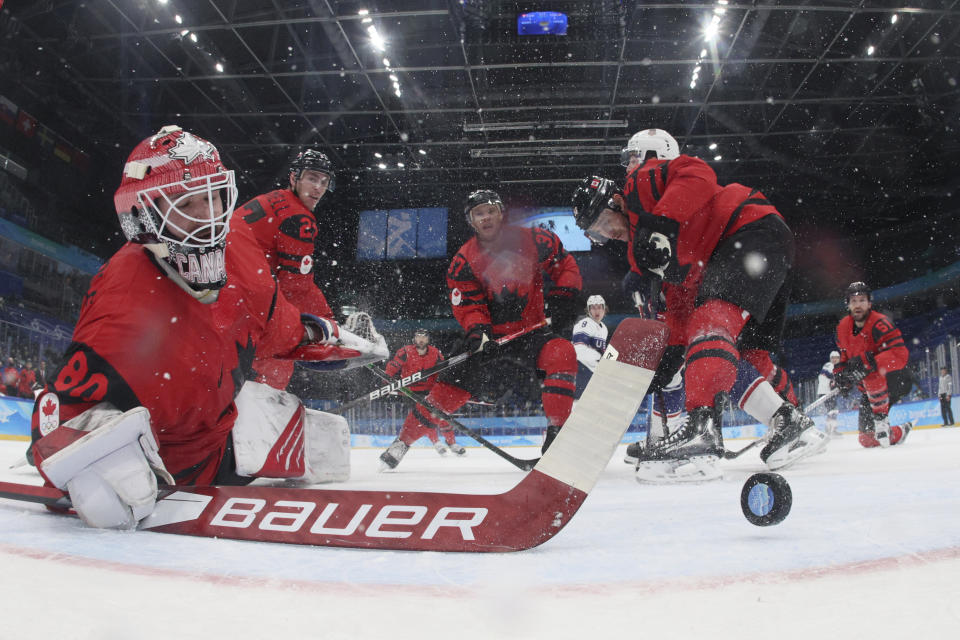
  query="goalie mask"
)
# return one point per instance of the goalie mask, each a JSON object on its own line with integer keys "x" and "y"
{"x": 176, "y": 198}
{"x": 650, "y": 143}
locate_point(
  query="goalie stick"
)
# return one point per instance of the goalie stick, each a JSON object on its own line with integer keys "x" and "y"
{"x": 732, "y": 455}
{"x": 527, "y": 515}
{"x": 416, "y": 398}
{"x": 396, "y": 385}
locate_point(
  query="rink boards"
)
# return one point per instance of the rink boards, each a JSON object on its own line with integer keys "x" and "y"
{"x": 522, "y": 431}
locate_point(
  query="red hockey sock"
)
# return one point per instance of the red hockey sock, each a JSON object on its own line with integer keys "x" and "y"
{"x": 558, "y": 360}
{"x": 777, "y": 377}
{"x": 414, "y": 428}
{"x": 712, "y": 354}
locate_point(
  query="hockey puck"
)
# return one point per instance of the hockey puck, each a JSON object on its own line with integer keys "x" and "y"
{"x": 766, "y": 499}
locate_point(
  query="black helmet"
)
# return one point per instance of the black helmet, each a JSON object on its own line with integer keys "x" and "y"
{"x": 855, "y": 289}
{"x": 422, "y": 332}
{"x": 313, "y": 160}
{"x": 591, "y": 197}
{"x": 481, "y": 196}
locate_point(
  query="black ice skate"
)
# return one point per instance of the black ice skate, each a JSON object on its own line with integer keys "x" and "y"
{"x": 390, "y": 458}
{"x": 691, "y": 454}
{"x": 793, "y": 437}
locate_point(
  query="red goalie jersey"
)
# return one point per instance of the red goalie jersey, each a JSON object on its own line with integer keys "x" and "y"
{"x": 503, "y": 286}
{"x": 126, "y": 350}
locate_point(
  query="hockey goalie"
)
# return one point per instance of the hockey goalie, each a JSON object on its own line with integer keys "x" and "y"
{"x": 153, "y": 382}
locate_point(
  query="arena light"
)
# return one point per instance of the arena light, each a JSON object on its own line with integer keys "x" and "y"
{"x": 376, "y": 40}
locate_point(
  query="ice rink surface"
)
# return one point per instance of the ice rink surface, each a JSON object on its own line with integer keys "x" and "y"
{"x": 871, "y": 549}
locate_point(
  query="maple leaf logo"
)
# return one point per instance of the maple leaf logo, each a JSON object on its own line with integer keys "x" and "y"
{"x": 508, "y": 305}
{"x": 48, "y": 407}
{"x": 189, "y": 148}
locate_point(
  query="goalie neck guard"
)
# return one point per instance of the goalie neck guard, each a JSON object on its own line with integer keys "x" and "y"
{"x": 176, "y": 197}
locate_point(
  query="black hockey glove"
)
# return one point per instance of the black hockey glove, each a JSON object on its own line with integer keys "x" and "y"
{"x": 562, "y": 310}
{"x": 480, "y": 340}
{"x": 851, "y": 373}
{"x": 643, "y": 291}
{"x": 652, "y": 251}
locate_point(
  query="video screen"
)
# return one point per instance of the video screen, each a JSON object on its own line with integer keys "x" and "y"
{"x": 560, "y": 220}
{"x": 402, "y": 234}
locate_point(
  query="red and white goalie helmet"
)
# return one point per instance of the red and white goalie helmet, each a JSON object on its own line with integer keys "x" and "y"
{"x": 177, "y": 197}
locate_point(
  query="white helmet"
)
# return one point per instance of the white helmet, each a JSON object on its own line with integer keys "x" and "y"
{"x": 834, "y": 354}
{"x": 643, "y": 144}
{"x": 594, "y": 300}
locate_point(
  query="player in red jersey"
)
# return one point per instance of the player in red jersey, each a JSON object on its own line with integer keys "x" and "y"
{"x": 873, "y": 358}
{"x": 721, "y": 255}
{"x": 409, "y": 359}
{"x": 496, "y": 285}
{"x": 286, "y": 229}
{"x": 151, "y": 384}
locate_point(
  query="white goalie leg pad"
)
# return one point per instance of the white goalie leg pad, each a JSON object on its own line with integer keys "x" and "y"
{"x": 327, "y": 448}
{"x": 268, "y": 438}
{"x": 109, "y": 472}
{"x": 274, "y": 436}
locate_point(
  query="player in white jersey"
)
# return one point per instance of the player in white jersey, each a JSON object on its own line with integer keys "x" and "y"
{"x": 826, "y": 384}
{"x": 589, "y": 341}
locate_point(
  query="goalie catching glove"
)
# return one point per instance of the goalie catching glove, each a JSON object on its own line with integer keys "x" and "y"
{"x": 328, "y": 347}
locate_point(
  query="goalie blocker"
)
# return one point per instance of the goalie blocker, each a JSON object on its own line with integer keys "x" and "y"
{"x": 529, "y": 514}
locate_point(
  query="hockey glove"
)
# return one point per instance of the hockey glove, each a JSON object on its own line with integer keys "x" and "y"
{"x": 852, "y": 372}
{"x": 318, "y": 330}
{"x": 480, "y": 340}
{"x": 643, "y": 290}
{"x": 562, "y": 311}
{"x": 652, "y": 251}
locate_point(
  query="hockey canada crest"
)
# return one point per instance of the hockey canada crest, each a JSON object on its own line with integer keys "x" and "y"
{"x": 306, "y": 264}
{"x": 189, "y": 148}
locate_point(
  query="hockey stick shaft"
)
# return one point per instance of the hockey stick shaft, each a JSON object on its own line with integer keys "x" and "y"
{"x": 396, "y": 385}
{"x": 732, "y": 455}
{"x": 415, "y": 398}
